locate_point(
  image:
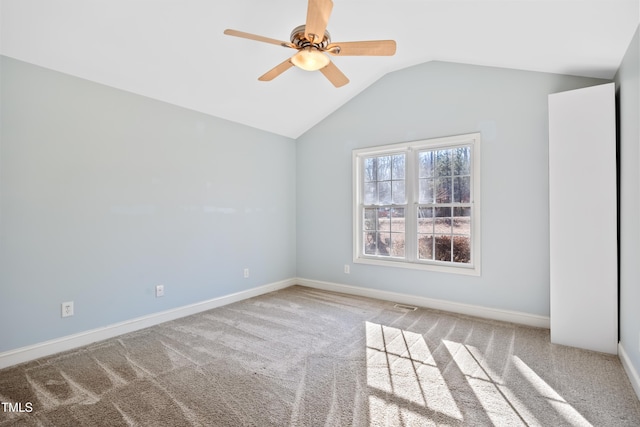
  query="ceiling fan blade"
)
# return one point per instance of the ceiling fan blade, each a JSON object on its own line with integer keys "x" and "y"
{"x": 276, "y": 71}
{"x": 365, "y": 48}
{"x": 318, "y": 12}
{"x": 335, "y": 76}
{"x": 250, "y": 36}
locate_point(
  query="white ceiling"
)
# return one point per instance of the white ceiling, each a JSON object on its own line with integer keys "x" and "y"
{"x": 175, "y": 50}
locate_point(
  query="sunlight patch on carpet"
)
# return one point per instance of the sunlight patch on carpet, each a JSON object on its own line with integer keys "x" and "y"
{"x": 403, "y": 377}
{"x": 567, "y": 411}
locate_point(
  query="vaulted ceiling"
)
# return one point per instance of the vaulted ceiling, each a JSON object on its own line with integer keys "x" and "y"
{"x": 175, "y": 50}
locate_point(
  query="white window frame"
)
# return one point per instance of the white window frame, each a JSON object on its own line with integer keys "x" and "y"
{"x": 410, "y": 260}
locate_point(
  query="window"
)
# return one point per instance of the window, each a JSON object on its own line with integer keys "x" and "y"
{"x": 417, "y": 204}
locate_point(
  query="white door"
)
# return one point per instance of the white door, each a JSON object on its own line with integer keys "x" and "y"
{"x": 583, "y": 218}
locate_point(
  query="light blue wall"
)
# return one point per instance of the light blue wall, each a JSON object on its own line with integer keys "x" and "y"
{"x": 628, "y": 87}
{"x": 105, "y": 194}
{"x": 430, "y": 100}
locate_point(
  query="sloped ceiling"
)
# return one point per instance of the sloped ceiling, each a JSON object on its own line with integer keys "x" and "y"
{"x": 175, "y": 50}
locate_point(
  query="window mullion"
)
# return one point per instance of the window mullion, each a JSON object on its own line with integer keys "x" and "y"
{"x": 411, "y": 217}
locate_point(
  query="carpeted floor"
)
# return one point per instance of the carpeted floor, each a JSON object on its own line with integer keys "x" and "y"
{"x": 304, "y": 357}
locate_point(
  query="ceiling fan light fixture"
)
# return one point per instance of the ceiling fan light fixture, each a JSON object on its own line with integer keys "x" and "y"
{"x": 310, "y": 59}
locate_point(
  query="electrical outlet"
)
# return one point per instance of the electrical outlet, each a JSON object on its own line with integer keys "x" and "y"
{"x": 347, "y": 269}
{"x": 246, "y": 273}
{"x": 67, "y": 309}
{"x": 159, "y": 291}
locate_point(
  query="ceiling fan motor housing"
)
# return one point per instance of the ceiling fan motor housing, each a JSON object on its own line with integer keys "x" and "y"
{"x": 298, "y": 39}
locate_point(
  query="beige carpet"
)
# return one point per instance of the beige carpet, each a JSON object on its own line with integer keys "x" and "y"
{"x": 304, "y": 357}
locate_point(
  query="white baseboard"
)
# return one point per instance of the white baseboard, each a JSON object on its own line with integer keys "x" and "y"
{"x": 69, "y": 342}
{"x": 46, "y": 348}
{"x": 455, "y": 307}
{"x": 628, "y": 367}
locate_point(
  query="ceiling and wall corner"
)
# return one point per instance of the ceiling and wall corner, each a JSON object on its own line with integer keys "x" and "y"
{"x": 176, "y": 52}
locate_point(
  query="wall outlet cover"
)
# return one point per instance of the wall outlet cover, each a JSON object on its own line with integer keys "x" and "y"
{"x": 67, "y": 309}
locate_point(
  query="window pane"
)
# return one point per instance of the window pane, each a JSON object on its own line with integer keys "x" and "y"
{"x": 426, "y": 191}
{"x": 384, "y": 193}
{"x": 443, "y": 190}
{"x": 462, "y": 226}
{"x": 398, "y": 169}
{"x": 369, "y": 219}
{"x": 462, "y": 189}
{"x": 425, "y": 246}
{"x": 370, "y": 193}
{"x": 369, "y": 241}
{"x": 443, "y": 225}
{"x": 443, "y": 163}
{"x": 397, "y": 244}
{"x": 425, "y": 220}
{"x": 462, "y": 249}
{"x": 397, "y": 220}
{"x": 462, "y": 211}
{"x": 398, "y": 194}
{"x": 443, "y": 248}
{"x": 426, "y": 163}
{"x": 384, "y": 224}
{"x": 384, "y": 240}
{"x": 425, "y": 212}
{"x": 370, "y": 169}
{"x": 462, "y": 220}
{"x": 384, "y": 168}
{"x": 462, "y": 161}
{"x": 442, "y": 212}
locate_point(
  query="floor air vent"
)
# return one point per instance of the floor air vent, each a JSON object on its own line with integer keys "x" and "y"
{"x": 406, "y": 307}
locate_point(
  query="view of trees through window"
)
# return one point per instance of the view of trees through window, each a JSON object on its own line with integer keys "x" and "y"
{"x": 443, "y": 205}
{"x": 385, "y": 202}
{"x": 444, "y": 210}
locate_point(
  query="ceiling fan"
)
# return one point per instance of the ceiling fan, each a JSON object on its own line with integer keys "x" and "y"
{"x": 313, "y": 42}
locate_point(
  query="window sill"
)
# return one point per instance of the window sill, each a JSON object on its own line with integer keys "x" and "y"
{"x": 440, "y": 268}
